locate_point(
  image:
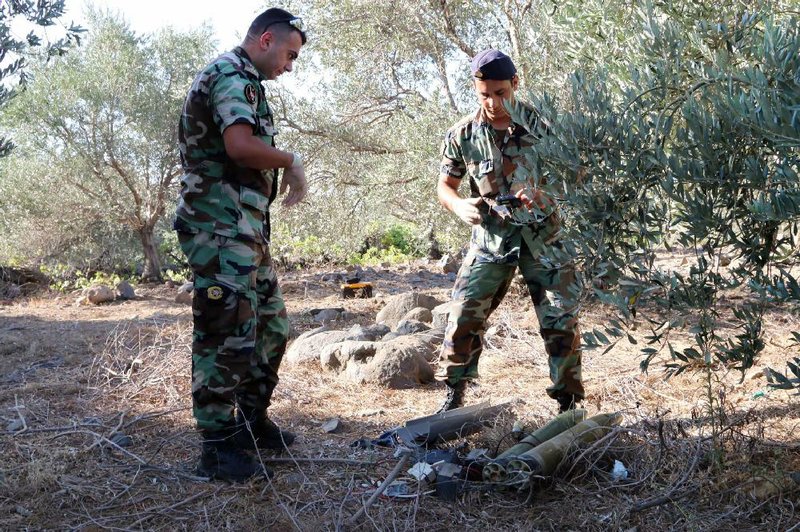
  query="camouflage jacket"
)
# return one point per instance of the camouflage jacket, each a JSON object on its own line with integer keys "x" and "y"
{"x": 497, "y": 166}
{"x": 217, "y": 195}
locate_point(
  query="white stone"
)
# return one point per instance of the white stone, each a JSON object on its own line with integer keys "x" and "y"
{"x": 99, "y": 294}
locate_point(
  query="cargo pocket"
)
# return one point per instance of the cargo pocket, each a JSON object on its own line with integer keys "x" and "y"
{"x": 216, "y": 307}
{"x": 489, "y": 237}
{"x": 254, "y": 206}
{"x": 463, "y": 277}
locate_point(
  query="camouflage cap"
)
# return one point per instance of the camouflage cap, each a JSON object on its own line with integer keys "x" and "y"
{"x": 493, "y": 64}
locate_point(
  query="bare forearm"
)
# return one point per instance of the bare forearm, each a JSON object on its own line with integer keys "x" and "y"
{"x": 251, "y": 151}
{"x": 254, "y": 153}
{"x": 447, "y": 194}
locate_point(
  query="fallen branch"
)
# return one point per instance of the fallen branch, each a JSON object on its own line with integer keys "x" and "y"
{"x": 153, "y": 415}
{"x": 389, "y": 479}
{"x": 46, "y": 429}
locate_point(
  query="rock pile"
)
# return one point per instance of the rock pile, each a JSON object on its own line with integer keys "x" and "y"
{"x": 397, "y": 351}
{"x": 98, "y": 294}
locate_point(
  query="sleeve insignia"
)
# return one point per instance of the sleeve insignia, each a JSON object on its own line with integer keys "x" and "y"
{"x": 214, "y": 293}
{"x": 250, "y": 94}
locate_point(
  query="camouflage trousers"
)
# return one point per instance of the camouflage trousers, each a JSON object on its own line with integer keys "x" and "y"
{"x": 479, "y": 289}
{"x": 240, "y": 327}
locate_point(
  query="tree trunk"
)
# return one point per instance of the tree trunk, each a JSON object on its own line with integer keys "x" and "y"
{"x": 152, "y": 262}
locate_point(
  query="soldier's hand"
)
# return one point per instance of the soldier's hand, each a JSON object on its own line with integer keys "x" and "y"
{"x": 294, "y": 178}
{"x": 539, "y": 199}
{"x": 467, "y": 210}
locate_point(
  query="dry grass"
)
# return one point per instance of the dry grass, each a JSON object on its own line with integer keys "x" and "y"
{"x": 104, "y": 440}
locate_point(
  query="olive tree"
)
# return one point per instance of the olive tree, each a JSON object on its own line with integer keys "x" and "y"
{"x": 697, "y": 150}
{"x": 380, "y": 82}
{"x": 97, "y": 129}
{"x": 396, "y": 76}
{"x": 15, "y": 51}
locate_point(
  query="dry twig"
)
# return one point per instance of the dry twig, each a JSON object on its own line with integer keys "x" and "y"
{"x": 389, "y": 479}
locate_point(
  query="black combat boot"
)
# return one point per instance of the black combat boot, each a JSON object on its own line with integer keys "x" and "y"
{"x": 455, "y": 396}
{"x": 258, "y": 430}
{"x": 566, "y": 403}
{"x": 223, "y": 459}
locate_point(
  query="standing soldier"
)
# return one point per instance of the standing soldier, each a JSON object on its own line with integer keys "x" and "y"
{"x": 490, "y": 148}
{"x": 227, "y": 146}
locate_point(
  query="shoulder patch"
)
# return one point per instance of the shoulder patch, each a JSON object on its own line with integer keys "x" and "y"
{"x": 250, "y": 94}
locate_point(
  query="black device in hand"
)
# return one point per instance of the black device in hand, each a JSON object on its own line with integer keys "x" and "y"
{"x": 509, "y": 200}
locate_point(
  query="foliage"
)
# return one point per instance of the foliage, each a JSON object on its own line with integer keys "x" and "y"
{"x": 674, "y": 128}
{"x": 403, "y": 237}
{"x": 697, "y": 150}
{"x": 394, "y": 244}
{"x": 65, "y": 279}
{"x": 379, "y": 256}
{"x": 304, "y": 249}
{"x": 372, "y": 143}
{"x": 400, "y": 79}
{"x": 679, "y": 135}
{"x": 178, "y": 276}
{"x": 792, "y": 379}
{"x": 103, "y": 154}
{"x": 15, "y": 51}
{"x": 400, "y": 237}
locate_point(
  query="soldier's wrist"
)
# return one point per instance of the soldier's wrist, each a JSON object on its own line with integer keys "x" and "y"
{"x": 297, "y": 160}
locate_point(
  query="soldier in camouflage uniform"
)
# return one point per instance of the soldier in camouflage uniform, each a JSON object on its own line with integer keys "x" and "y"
{"x": 227, "y": 146}
{"x": 491, "y": 149}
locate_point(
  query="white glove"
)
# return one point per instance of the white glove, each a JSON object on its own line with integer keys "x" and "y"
{"x": 294, "y": 178}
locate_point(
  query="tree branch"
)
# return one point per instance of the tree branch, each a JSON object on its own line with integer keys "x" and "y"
{"x": 450, "y": 30}
{"x": 354, "y": 147}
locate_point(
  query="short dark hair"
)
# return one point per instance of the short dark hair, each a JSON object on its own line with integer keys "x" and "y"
{"x": 274, "y": 17}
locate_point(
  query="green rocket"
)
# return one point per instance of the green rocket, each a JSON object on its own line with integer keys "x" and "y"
{"x": 542, "y": 452}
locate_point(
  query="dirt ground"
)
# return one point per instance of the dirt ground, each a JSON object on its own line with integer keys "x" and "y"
{"x": 96, "y": 430}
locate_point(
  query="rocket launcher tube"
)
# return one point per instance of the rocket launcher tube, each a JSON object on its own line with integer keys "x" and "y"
{"x": 495, "y": 471}
{"x": 556, "y": 426}
{"x": 544, "y": 458}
